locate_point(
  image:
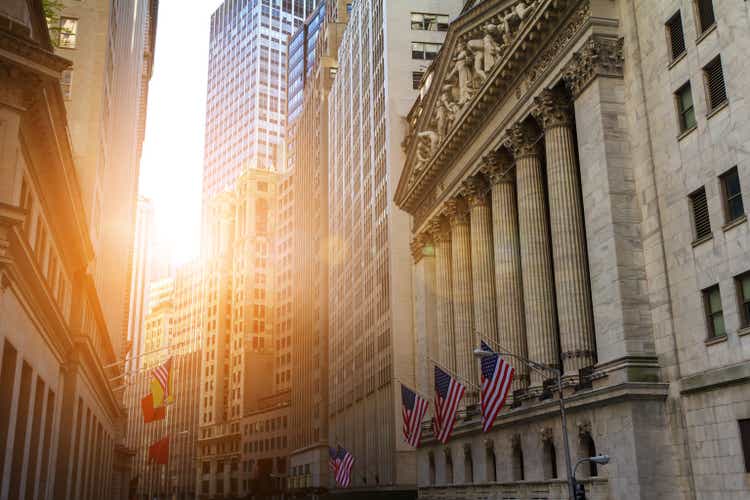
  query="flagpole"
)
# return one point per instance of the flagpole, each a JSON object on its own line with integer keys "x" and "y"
{"x": 423, "y": 396}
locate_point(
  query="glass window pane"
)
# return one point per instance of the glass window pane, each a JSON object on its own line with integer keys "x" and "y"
{"x": 732, "y": 183}
{"x": 714, "y": 300}
{"x": 746, "y": 288}
{"x": 690, "y": 118}
{"x": 686, "y": 98}
{"x": 735, "y": 207}
{"x": 718, "y": 321}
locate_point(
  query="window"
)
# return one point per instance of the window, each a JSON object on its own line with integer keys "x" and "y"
{"x": 424, "y": 51}
{"x": 676, "y": 36}
{"x": 429, "y": 22}
{"x": 730, "y": 185}
{"x": 705, "y": 11}
{"x": 68, "y": 33}
{"x": 701, "y": 220}
{"x": 66, "y": 84}
{"x": 685, "y": 109}
{"x": 714, "y": 313}
{"x": 745, "y": 439}
{"x": 743, "y": 292}
{"x": 416, "y": 79}
{"x": 714, "y": 78}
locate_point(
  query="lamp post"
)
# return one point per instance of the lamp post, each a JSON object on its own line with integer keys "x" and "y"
{"x": 598, "y": 459}
{"x": 539, "y": 367}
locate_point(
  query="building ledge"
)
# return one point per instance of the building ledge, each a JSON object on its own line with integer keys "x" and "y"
{"x": 718, "y": 377}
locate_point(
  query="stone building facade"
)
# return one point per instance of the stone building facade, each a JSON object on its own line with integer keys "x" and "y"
{"x": 576, "y": 174}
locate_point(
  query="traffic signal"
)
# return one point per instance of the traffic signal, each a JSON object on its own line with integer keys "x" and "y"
{"x": 580, "y": 492}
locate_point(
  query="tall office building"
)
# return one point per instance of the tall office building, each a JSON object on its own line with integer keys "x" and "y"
{"x": 312, "y": 63}
{"x": 139, "y": 281}
{"x": 246, "y": 97}
{"x": 371, "y": 342}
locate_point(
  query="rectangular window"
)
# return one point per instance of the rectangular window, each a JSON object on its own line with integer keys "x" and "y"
{"x": 714, "y": 313}
{"x": 676, "y": 36}
{"x": 742, "y": 283}
{"x": 66, "y": 84}
{"x": 701, "y": 220}
{"x": 706, "y": 17}
{"x": 416, "y": 79}
{"x": 745, "y": 441}
{"x": 429, "y": 22}
{"x": 685, "y": 109}
{"x": 730, "y": 185}
{"x": 424, "y": 51}
{"x": 715, "y": 88}
{"x": 68, "y": 33}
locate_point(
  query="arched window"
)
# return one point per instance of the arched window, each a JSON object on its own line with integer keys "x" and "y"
{"x": 550, "y": 460}
{"x": 518, "y": 471}
{"x": 491, "y": 461}
{"x": 468, "y": 465}
{"x": 587, "y": 448}
{"x": 431, "y": 458}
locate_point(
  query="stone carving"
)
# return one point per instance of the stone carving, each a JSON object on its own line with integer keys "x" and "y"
{"x": 476, "y": 191}
{"x": 546, "y": 434}
{"x": 445, "y": 111}
{"x": 600, "y": 56}
{"x": 427, "y": 144}
{"x": 457, "y": 212}
{"x": 418, "y": 244}
{"x": 515, "y": 17}
{"x": 439, "y": 231}
{"x": 486, "y": 50}
{"x": 498, "y": 167}
{"x": 463, "y": 68}
{"x": 521, "y": 140}
{"x": 552, "y": 108}
{"x": 584, "y": 428}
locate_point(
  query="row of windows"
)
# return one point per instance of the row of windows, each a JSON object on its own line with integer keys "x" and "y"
{"x": 716, "y": 95}
{"x": 424, "y": 50}
{"x": 429, "y": 22}
{"x": 715, "y": 311}
{"x": 731, "y": 194}
{"x": 704, "y": 15}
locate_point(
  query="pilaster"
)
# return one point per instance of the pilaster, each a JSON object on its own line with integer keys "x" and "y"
{"x": 441, "y": 237}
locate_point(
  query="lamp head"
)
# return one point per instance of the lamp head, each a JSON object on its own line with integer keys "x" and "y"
{"x": 600, "y": 459}
{"x": 481, "y": 353}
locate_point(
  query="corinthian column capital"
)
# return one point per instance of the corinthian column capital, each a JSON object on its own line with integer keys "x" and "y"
{"x": 521, "y": 140}
{"x": 600, "y": 56}
{"x": 476, "y": 192}
{"x": 457, "y": 211}
{"x": 418, "y": 244}
{"x": 552, "y": 108}
{"x": 439, "y": 230}
{"x": 498, "y": 167}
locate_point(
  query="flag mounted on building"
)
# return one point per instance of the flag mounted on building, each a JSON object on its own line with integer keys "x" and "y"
{"x": 343, "y": 472}
{"x": 413, "y": 408}
{"x": 159, "y": 451}
{"x": 161, "y": 384}
{"x": 333, "y": 462}
{"x": 448, "y": 393}
{"x": 497, "y": 376}
{"x": 151, "y": 414}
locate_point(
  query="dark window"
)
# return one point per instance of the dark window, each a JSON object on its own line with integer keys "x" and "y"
{"x": 676, "y": 36}
{"x": 429, "y": 22}
{"x": 743, "y": 292}
{"x": 733, "y": 206}
{"x": 745, "y": 438}
{"x": 685, "y": 109}
{"x": 714, "y": 313}
{"x": 701, "y": 220}
{"x": 706, "y": 17}
{"x": 416, "y": 79}
{"x": 717, "y": 91}
{"x": 424, "y": 51}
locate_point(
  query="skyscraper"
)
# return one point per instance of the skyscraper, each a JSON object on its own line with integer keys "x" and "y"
{"x": 246, "y": 97}
{"x": 371, "y": 340}
{"x": 139, "y": 280}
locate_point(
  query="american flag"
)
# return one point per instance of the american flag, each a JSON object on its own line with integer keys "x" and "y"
{"x": 413, "y": 408}
{"x": 342, "y": 466}
{"x": 162, "y": 374}
{"x": 333, "y": 459}
{"x": 497, "y": 376}
{"x": 448, "y": 393}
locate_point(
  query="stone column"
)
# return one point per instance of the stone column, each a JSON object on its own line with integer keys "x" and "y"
{"x": 482, "y": 260}
{"x": 538, "y": 291}
{"x": 441, "y": 237}
{"x": 426, "y": 332}
{"x": 552, "y": 111}
{"x": 463, "y": 315}
{"x": 508, "y": 280}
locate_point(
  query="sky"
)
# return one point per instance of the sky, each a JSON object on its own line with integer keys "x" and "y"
{"x": 172, "y": 161}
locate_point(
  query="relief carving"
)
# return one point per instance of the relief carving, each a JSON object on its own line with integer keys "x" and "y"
{"x": 552, "y": 108}
{"x": 600, "y": 56}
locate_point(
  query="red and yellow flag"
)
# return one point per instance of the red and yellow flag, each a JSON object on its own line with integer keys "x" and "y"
{"x": 159, "y": 451}
{"x": 151, "y": 414}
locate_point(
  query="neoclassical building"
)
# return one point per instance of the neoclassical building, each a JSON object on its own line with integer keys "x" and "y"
{"x": 575, "y": 175}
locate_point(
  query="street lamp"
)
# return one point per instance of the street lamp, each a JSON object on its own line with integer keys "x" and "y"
{"x": 598, "y": 459}
{"x": 541, "y": 368}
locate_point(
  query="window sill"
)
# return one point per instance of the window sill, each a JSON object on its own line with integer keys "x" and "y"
{"x": 686, "y": 132}
{"x": 676, "y": 60}
{"x": 703, "y": 240}
{"x": 736, "y": 222}
{"x": 705, "y": 34}
{"x": 716, "y": 340}
{"x": 717, "y": 109}
{"x": 743, "y": 331}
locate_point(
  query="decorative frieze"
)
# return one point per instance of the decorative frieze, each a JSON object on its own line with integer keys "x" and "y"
{"x": 600, "y": 56}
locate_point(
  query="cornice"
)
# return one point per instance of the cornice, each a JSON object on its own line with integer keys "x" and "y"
{"x": 18, "y": 48}
{"x": 600, "y": 56}
{"x": 525, "y": 61}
